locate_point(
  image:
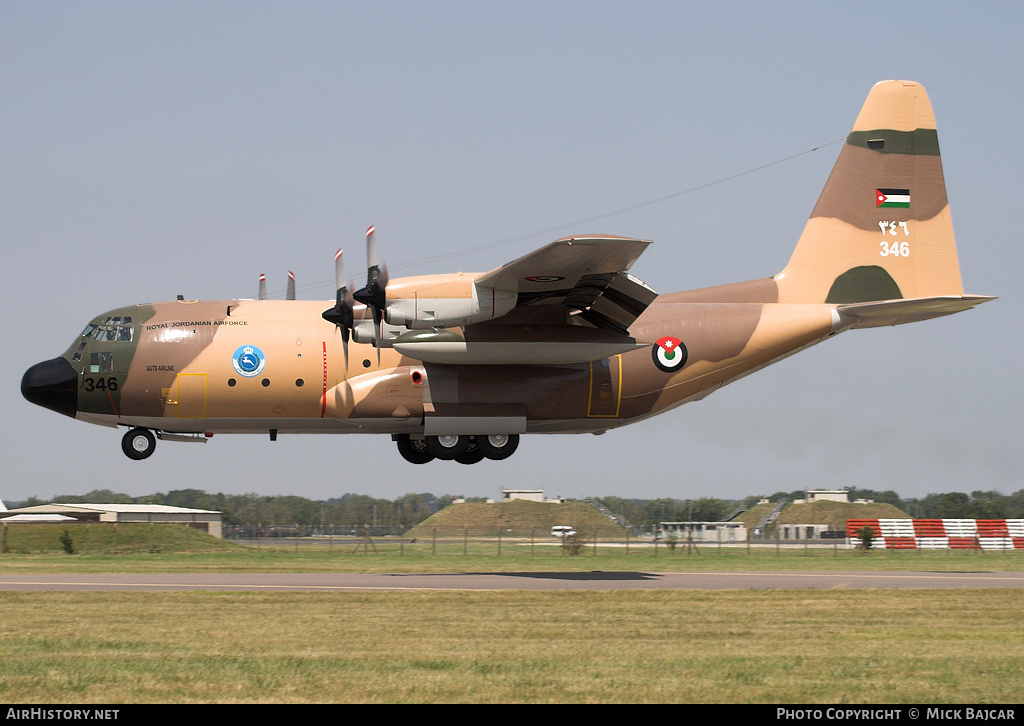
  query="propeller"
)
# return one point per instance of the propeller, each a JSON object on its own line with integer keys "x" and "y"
{"x": 263, "y": 286}
{"x": 374, "y": 295}
{"x": 341, "y": 314}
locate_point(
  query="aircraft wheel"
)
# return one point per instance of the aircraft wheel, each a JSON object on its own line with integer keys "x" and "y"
{"x": 138, "y": 444}
{"x": 473, "y": 454}
{"x": 498, "y": 446}
{"x": 413, "y": 450}
{"x": 448, "y": 446}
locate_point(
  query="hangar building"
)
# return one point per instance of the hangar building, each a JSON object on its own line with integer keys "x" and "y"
{"x": 204, "y": 520}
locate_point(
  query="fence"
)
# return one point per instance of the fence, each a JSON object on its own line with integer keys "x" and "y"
{"x": 535, "y": 542}
{"x": 449, "y": 540}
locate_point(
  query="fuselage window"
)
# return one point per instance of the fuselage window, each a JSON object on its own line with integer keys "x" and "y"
{"x": 101, "y": 362}
{"x": 78, "y": 353}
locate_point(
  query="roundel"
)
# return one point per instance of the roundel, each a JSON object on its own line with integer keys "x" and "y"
{"x": 669, "y": 354}
{"x": 249, "y": 361}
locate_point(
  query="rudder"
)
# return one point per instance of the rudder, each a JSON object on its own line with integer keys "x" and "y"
{"x": 881, "y": 229}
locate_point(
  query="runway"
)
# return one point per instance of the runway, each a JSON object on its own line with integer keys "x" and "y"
{"x": 481, "y": 581}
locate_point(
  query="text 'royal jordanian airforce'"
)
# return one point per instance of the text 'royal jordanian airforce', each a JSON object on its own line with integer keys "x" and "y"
{"x": 562, "y": 340}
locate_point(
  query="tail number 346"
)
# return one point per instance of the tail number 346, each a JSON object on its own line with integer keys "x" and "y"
{"x": 100, "y": 384}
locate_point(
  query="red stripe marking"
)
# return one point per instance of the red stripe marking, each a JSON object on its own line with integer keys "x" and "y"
{"x": 111, "y": 397}
{"x": 323, "y": 401}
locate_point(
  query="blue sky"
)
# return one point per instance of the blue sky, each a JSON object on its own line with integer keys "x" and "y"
{"x": 158, "y": 148}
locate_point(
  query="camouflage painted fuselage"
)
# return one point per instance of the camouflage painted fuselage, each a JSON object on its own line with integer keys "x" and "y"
{"x": 180, "y": 372}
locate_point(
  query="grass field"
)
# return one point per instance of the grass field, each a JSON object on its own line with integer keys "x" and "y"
{"x": 513, "y": 559}
{"x": 849, "y": 646}
{"x": 775, "y": 646}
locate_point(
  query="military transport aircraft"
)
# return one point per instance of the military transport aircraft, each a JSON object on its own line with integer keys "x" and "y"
{"x": 562, "y": 340}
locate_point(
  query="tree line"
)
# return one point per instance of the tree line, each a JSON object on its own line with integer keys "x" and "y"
{"x": 407, "y": 511}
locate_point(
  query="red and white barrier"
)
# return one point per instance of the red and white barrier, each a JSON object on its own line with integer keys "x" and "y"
{"x": 940, "y": 534}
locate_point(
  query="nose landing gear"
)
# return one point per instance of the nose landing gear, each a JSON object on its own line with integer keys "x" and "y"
{"x": 138, "y": 444}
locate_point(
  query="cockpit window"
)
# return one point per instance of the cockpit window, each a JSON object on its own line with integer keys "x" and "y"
{"x": 117, "y": 328}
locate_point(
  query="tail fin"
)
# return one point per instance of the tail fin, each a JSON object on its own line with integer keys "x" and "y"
{"x": 881, "y": 228}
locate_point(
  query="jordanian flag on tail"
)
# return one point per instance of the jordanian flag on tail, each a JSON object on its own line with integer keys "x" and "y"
{"x": 892, "y": 198}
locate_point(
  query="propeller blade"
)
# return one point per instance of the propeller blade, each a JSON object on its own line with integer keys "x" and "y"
{"x": 377, "y": 315}
{"x": 371, "y": 247}
{"x": 291, "y": 286}
{"x": 339, "y": 271}
{"x": 263, "y": 287}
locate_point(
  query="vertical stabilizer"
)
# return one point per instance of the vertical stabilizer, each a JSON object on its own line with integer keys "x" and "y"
{"x": 881, "y": 229}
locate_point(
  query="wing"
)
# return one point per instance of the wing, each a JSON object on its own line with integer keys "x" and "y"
{"x": 585, "y": 276}
{"x": 571, "y": 301}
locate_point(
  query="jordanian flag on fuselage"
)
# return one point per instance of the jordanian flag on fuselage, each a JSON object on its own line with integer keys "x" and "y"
{"x": 892, "y": 198}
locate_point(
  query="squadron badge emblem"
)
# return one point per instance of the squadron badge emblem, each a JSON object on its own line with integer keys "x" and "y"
{"x": 249, "y": 361}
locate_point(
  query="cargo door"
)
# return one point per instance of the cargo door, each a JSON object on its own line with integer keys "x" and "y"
{"x": 605, "y": 387}
{"x": 191, "y": 395}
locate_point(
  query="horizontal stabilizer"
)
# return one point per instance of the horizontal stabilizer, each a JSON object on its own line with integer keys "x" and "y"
{"x": 897, "y": 312}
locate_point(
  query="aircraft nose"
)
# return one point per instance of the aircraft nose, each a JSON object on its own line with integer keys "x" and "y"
{"x": 52, "y": 384}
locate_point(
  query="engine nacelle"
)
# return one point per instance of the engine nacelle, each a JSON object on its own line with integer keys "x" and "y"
{"x": 444, "y": 301}
{"x": 362, "y": 332}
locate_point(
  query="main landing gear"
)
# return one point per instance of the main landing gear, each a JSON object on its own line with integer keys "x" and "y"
{"x": 452, "y": 447}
